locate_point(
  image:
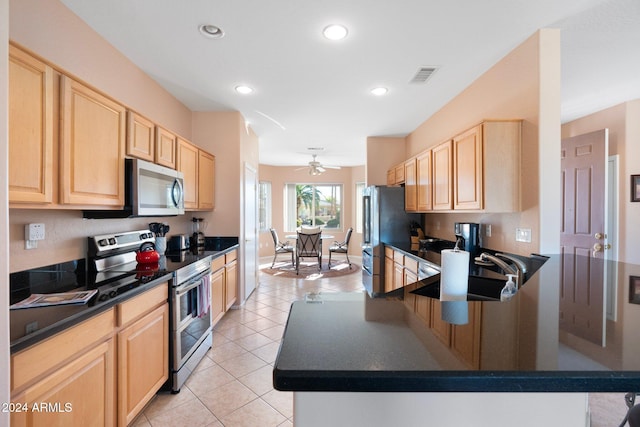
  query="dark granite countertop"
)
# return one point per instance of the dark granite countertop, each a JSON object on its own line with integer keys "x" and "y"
{"x": 556, "y": 334}
{"x": 32, "y": 325}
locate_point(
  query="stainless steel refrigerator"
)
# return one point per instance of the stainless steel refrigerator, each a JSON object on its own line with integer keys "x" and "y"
{"x": 384, "y": 221}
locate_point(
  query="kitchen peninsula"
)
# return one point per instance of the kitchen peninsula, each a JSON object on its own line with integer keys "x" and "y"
{"x": 338, "y": 349}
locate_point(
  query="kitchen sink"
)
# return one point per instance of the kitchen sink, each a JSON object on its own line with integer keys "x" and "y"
{"x": 480, "y": 288}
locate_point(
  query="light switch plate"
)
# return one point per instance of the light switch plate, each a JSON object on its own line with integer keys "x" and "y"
{"x": 487, "y": 230}
{"x": 523, "y": 235}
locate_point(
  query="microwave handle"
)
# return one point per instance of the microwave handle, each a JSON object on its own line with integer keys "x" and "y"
{"x": 178, "y": 191}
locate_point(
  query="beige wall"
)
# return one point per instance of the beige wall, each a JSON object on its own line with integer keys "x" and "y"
{"x": 624, "y": 134}
{"x": 382, "y": 154}
{"x": 523, "y": 85}
{"x": 278, "y": 176}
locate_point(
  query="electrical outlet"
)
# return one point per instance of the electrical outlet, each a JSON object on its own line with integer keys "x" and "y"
{"x": 523, "y": 235}
{"x": 33, "y": 233}
{"x": 487, "y": 230}
{"x": 31, "y": 327}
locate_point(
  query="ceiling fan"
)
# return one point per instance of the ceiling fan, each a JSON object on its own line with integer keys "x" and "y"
{"x": 316, "y": 168}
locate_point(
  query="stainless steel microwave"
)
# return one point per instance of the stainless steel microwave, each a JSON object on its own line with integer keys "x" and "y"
{"x": 150, "y": 190}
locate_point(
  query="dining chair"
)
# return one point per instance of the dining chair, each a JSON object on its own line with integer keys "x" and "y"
{"x": 280, "y": 247}
{"x": 308, "y": 245}
{"x": 341, "y": 247}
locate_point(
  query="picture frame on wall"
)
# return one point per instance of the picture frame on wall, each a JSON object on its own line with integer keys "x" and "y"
{"x": 634, "y": 289}
{"x": 635, "y": 188}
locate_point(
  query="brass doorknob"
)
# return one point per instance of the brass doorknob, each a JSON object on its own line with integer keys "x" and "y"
{"x": 599, "y": 236}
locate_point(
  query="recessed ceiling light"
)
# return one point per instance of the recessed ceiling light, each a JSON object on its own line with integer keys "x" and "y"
{"x": 379, "y": 91}
{"x": 211, "y": 31}
{"x": 335, "y": 32}
{"x": 244, "y": 90}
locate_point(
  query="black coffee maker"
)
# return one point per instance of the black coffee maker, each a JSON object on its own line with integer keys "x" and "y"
{"x": 468, "y": 236}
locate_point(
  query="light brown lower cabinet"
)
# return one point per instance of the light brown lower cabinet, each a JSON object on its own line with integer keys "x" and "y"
{"x": 79, "y": 393}
{"x": 231, "y": 283}
{"x": 143, "y": 361}
{"x": 218, "y": 306}
{"x": 101, "y": 372}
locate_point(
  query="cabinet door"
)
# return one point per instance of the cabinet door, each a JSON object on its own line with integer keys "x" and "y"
{"x": 165, "y": 148}
{"x": 30, "y": 129}
{"x": 188, "y": 164}
{"x": 388, "y": 274}
{"x": 399, "y": 174}
{"x": 140, "y": 137}
{"x": 424, "y": 186}
{"x": 391, "y": 176}
{"x": 441, "y": 328}
{"x": 231, "y": 284}
{"x": 206, "y": 180}
{"x": 92, "y": 147}
{"x": 467, "y": 156}
{"x": 218, "y": 302}
{"x": 82, "y": 393}
{"x": 143, "y": 362}
{"x": 423, "y": 308}
{"x": 398, "y": 276}
{"x": 442, "y": 175}
{"x": 410, "y": 189}
{"x": 465, "y": 339}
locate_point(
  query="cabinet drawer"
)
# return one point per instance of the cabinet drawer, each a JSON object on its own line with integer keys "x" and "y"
{"x": 411, "y": 265}
{"x": 398, "y": 257}
{"x": 230, "y": 256}
{"x": 136, "y": 307}
{"x": 217, "y": 263}
{"x": 35, "y": 361}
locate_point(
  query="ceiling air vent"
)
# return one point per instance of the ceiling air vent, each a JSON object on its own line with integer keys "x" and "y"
{"x": 423, "y": 74}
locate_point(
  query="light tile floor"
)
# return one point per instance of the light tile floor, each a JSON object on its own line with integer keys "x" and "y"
{"x": 232, "y": 385}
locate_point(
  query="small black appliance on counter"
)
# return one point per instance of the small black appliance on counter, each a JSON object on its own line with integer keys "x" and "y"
{"x": 468, "y": 233}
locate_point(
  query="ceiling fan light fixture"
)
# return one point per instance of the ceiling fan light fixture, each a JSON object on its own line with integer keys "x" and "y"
{"x": 335, "y": 32}
{"x": 211, "y": 31}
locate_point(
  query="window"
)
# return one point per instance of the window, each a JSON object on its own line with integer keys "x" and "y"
{"x": 313, "y": 204}
{"x": 359, "y": 193}
{"x": 264, "y": 205}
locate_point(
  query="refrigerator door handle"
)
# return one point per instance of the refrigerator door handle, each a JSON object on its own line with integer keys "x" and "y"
{"x": 366, "y": 222}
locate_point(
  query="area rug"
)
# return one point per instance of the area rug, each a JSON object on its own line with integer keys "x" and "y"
{"x": 309, "y": 269}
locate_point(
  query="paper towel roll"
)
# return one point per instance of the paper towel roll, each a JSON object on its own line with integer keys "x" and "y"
{"x": 454, "y": 275}
{"x": 455, "y": 312}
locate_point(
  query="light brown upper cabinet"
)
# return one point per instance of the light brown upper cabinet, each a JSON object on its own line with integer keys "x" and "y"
{"x": 467, "y": 169}
{"x": 198, "y": 168}
{"x": 92, "y": 147}
{"x": 187, "y": 159}
{"x": 410, "y": 186}
{"x": 206, "y": 174}
{"x": 140, "y": 137}
{"x": 31, "y": 129}
{"x": 442, "y": 164}
{"x": 396, "y": 174}
{"x": 424, "y": 178}
{"x": 165, "y": 148}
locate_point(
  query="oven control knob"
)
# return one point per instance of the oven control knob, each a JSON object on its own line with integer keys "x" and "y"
{"x": 103, "y": 297}
{"x": 102, "y": 242}
{"x": 113, "y": 294}
{"x": 112, "y": 241}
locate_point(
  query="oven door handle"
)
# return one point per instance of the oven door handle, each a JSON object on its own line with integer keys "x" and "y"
{"x": 183, "y": 289}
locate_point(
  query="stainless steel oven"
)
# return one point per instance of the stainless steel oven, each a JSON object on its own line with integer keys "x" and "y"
{"x": 191, "y": 322}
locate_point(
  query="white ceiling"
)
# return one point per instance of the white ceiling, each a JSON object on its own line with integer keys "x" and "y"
{"x": 311, "y": 92}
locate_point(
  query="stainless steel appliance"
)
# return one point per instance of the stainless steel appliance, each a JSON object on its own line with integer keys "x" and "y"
{"x": 114, "y": 255}
{"x": 384, "y": 221}
{"x": 468, "y": 236}
{"x": 191, "y": 322}
{"x": 178, "y": 242}
{"x": 150, "y": 190}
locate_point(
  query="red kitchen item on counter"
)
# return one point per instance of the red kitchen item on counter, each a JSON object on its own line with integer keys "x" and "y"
{"x": 147, "y": 254}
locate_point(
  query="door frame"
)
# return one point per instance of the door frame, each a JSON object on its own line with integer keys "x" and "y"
{"x": 248, "y": 168}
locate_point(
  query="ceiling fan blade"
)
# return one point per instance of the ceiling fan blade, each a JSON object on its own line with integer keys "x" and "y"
{"x": 320, "y": 169}
{"x": 331, "y": 167}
